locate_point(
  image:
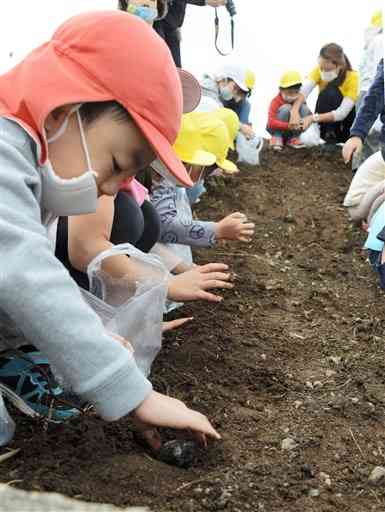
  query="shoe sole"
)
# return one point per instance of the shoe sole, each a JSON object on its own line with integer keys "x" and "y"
{"x": 18, "y": 402}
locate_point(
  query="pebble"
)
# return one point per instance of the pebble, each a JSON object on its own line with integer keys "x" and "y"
{"x": 288, "y": 444}
{"x": 314, "y": 493}
{"x": 325, "y": 479}
{"x": 298, "y": 403}
{"x": 335, "y": 359}
{"x": 309, "y": 384}
{"x": 178, "y": 453}
{"x": 377, "y": 475}
{"x": 330, "y": 373}
{"x": 307, "y": 471}
{"x": 317, "y": 384}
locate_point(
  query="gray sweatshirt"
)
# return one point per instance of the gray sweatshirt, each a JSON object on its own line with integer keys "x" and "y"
{"x": 177, "y": 225}
{"x": 39, "y": 298}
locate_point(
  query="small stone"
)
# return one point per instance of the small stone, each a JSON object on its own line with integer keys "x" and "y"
{"x": 317, "y": 384}
{"x": 309, "y": 385}
{"x": 298, "y": 403}
{"x": 330, "y": 373}
{"x": 263, "y": 357}
{"x": 335, "y": 359}
{"x": 355, "y": 400}
{"x": 314, "y": 493}
{"x": 288, "y": 444}
{"x": 307, "y": 471}
{"x": 178, "y": 453}
{"x": 377, "y": 475}
{"x": 325, "y": 479}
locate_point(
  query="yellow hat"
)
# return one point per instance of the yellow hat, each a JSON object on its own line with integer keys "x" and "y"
{"x": 215, "y": 138}
{"x": 231, "y": 120}
{"x": 376, "y": 20}
{"x": 189, "y": 147}
{"x": 290, "y": 78}
{"x": 250, "y": 79}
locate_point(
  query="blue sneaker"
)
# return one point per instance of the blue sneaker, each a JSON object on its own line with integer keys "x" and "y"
{"x": 27, "y": 381}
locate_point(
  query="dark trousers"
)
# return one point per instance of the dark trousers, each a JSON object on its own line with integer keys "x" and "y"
{"x": 172, "y": 38}
{"x": 139, "y": 226}
{"x": 328, "y": 100}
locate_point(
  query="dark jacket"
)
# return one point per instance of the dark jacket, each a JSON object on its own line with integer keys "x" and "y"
{"x": 371, "y": 108}
{"x": 176, "y": 12}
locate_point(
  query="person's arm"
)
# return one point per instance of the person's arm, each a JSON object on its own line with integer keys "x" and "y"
{"x": 273, "y": 123}
{"x": 372, "y": 106}
{"x": 296, "y": 122}
{"x": 39, "y": 296}
{"x": 89, "y": 235}
{"x": 244, "y": 114}
{"x": 173, "y": 229}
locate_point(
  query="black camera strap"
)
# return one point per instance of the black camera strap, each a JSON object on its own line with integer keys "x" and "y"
{"x": 217, "y": 34}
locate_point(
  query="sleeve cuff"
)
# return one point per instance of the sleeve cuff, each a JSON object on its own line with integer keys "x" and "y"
{"x": 121, "y": 395}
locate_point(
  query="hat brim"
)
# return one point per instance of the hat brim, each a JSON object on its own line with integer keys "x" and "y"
{"x": 192, "y": 92}
{"x": 228, "y": 167}
{"x": 164, "y": 150}
{"x": 199, "y": 157}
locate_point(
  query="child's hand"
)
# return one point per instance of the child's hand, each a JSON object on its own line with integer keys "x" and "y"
{"x": 306, "y": 122}
{"x": 235, "y": 227}
{"x": 174, "y": 324}
{"x": 295, "y": 120}
{"x": 159, "y": 410}
{"x": 247, "y": 131}
{"x": 193, "y": 285}
{"x": 351, "y": 147}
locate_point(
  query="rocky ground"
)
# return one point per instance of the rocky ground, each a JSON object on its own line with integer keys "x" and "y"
{"x": 290, "y": 368}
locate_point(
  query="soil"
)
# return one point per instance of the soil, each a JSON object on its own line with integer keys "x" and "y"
{"x": 296, "y": 351}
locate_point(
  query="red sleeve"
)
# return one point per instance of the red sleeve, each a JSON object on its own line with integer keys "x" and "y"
{"x": 273, "y": 123}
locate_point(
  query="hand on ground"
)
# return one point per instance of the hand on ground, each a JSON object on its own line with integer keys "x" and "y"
{"x": 235, "y": 227}
{"x": 195, "y": 283}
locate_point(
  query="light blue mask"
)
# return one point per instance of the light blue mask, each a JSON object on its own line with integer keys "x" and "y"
{"x": 148, "y": 14}
{"x": 226, "y": 92}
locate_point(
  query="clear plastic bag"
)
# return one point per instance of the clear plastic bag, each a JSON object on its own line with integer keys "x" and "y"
{"x": 312, "y": 136}
{"x": 7, "y": 425}
{"x": 249, "y": 149}
{"x": 131, "y": 306}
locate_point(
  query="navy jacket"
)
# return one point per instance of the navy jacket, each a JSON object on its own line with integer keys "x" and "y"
{"x": 371, "y": 108}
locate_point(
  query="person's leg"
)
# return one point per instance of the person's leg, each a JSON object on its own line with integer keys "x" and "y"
{"x": 289, "y": 137}
{"x": 346, "y": 125}
{"x": 283, "y": 114}
{"x": 328, "y": 100}
{"x": 151, "y": 232}
{"x": 305, "y": 110}
{"x": 172, "y": 38}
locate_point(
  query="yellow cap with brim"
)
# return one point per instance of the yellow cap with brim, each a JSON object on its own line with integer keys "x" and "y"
{"x": 376, "y": 20}
{"x": 215, "y": 138}
{"x": 189, "y": 146}
{"x": 231, "y": 120}
{"x": 228, "y": 166}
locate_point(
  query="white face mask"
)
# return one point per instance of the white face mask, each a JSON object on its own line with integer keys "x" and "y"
{"x": 329, "y": 76}
{"x": 74, "y": 196}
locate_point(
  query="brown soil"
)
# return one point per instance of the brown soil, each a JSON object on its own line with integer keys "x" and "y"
{"x": 296, "y": 351}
